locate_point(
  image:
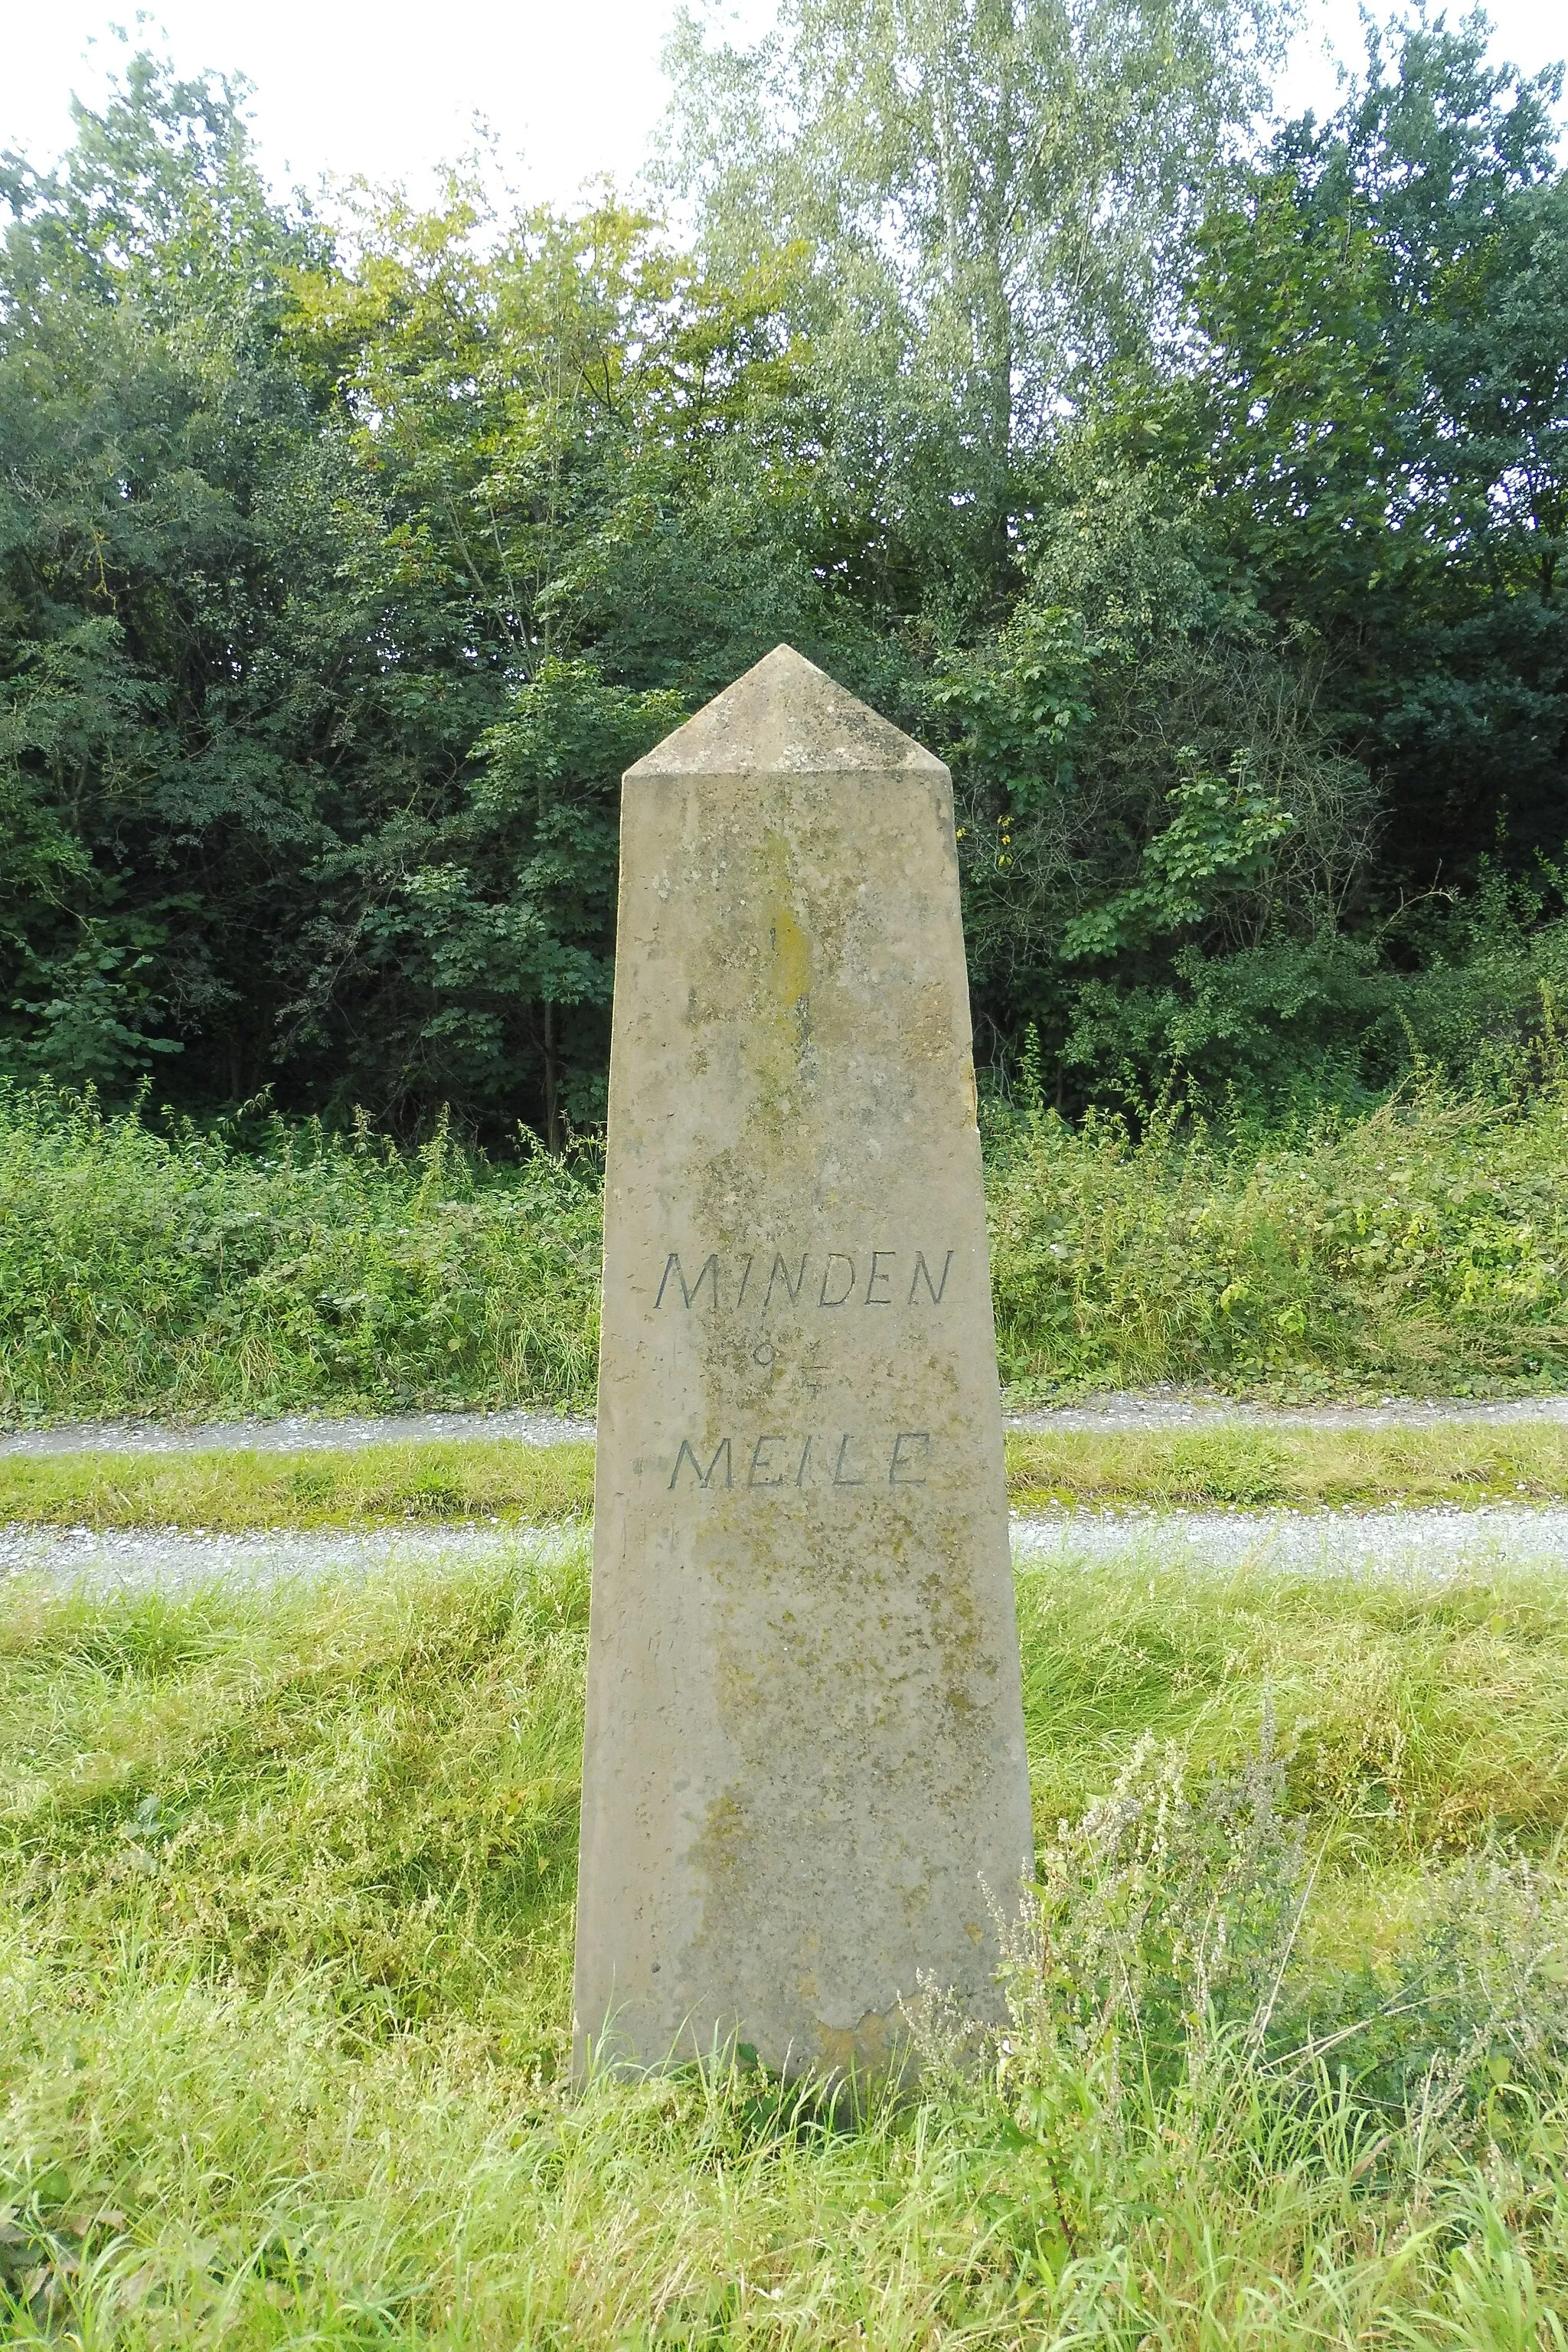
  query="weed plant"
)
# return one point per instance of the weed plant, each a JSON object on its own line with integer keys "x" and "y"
{"x": 1422, "y": 1248}
{"x": 173, "y": 1272}
{"x": 287, "y": 1882}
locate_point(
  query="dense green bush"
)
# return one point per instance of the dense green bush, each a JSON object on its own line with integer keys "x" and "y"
{"x": 173, "y": 1272}
{"x": 1208, "y": 519}
{"x": 1422, "y": 1246}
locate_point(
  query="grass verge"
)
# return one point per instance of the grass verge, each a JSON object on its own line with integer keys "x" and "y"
{"x": 173, "y": 1272}
{"x": 287, "y": 1882}
{"x": 1421, "y": 1249}
{"x": 399, "y": 1483}
{"x": 456, "y": 1481}
{"x": 1253, "y": 1465}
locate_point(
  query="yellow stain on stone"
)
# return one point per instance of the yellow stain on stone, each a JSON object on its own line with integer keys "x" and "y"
{"x": 868, "y": 2047}
{"x": 790, "y": 971}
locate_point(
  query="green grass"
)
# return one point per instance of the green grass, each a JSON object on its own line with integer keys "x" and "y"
{"x": 1416, "y": 1719}
{"x": 1245, "y": 1464}
{"x": 395, "y": 1484}
{"x": 172, "y": 1274}
{"x": 454, "y": 1481}
{"x": 284, "y": 1949}
{"x": 1421, "y": 1249}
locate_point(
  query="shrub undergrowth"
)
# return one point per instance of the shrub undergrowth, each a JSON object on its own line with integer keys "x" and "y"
{"x": 171, "y": 1272}
{"x": 1420, "y": 1248}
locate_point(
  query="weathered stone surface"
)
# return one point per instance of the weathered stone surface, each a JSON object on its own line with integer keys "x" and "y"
{"x": 804, "y": 1767}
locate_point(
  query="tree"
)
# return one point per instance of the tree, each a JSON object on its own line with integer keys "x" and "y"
{"x": 1150, "y": 790}
{"x": 1380, "y": 413}
{"x": 148, "y": 419}
{"x": 580, "y": 536}
{"x": 1206, "y": 502}
{"x": 998, "y": 196}
{"x": 297, "y": 560}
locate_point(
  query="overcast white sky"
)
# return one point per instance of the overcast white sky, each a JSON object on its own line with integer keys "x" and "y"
{"x": 390, "y": 88}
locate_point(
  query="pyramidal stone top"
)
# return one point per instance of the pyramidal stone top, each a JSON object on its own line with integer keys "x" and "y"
{"x": 783, "y": 717}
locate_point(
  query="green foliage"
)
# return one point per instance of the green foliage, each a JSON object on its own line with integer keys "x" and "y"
{"x": 994, "y": 200}
{"x": 1160, "y": 841}
{"x": 1199, "y": 491}
{"x": 1423, "y": 1246}
{"x": 1379, "y": 419}
{"x": 308, "y": 774}
{"x": 1223, "y": 831}
{"x": 543, "y": 819}
{"x": 177, "y": 1274}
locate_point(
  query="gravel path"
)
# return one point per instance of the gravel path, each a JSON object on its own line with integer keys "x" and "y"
{"x": 1120, "y": 1410}
{"x": 1431, "y": 1541}
{"x": 1422, "y": 1544}
{"x": 299, "y": 1433}
{"x": 1184, "y": 1408}
{"x": 134, "y": 1560}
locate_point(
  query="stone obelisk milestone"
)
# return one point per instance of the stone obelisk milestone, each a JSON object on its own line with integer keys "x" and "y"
{"x": 805, "y": 1784}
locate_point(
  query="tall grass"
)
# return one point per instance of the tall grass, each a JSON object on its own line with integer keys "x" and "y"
{"x": 1421, "y": 1248}
{"x": 170, "y": 1272}
{"x": 285, "y": 1906}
